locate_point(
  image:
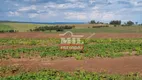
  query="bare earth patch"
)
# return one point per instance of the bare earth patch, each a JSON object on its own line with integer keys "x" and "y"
{"x": 123, "y": 65}
{"x": 56, "y": 35}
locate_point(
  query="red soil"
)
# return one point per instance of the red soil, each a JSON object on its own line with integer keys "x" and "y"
{"x": 55, "y": 35}
{"x": 121, "y": 65}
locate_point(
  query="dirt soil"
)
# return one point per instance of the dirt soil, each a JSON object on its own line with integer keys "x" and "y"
{"x": 56, "y": 35}
{"x": 123, "y": 65}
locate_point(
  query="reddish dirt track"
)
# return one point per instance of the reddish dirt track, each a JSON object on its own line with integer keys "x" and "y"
{"x": 48, "y": 35}
{"x": 123, "y": 65}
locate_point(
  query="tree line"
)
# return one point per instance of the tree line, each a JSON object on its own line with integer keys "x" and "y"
{"x": 116, "y": 23}
{"x": 50, "y": 28}
{"x": 8, "y": 31}
{"x": 119, "y": 22}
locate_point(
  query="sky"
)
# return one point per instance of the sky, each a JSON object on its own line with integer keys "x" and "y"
{"x": 70, "y": 10}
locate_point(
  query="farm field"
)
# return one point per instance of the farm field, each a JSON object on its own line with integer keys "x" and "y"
{"x": 83, "y": 75}
{"x": 109, "y": 30}
{"x": 70, "y": 40}
{"x": 22, "y": 27}
{"x": 31, "y": 58}
{"x": 113, "y": 53}
{"x": 5, "y": 27}
{"x": 49, "y": 47}
{"x": 79, "y": 28}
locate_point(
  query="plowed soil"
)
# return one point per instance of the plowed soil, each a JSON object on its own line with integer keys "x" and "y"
{"x": 123, "y": 65}
{"x": 56, "y": 35}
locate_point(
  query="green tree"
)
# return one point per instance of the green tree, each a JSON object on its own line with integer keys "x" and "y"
{"x": 92, "y": 22}
{"x": 130, "y": 23}
{"x": 115, "y": 22}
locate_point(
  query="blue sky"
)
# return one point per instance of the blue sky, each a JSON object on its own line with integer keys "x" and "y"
{"x": 71, "y": 10}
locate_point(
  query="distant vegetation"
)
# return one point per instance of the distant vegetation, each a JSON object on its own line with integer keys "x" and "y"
{"x": 117, "y": 23}
{"x": 6, "y": 28}
{"x": 99, "y": 26}
{"x": 126, "y": 29}
{"x": 92, "y": 26}
{"x": 129, "y": 23}
{"x": 8, "y": 31}
{"x": 9, "y": 22}
{"x": 94, "y": 22}
{"x": 23, "y": 27}
{"x": 50, "y": 28}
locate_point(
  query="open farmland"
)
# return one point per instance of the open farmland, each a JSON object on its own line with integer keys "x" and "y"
{"x": 22, "y": 27}
{"x": 70, "y": 39}
{"x": 109, "y": 30}
{"x": 30, "y": 58}
{"x": 49, "y": 47}
{"x": 112, "y": 53}
{"x": 79, "y": 28}
{"x": 5, "y": 27}
{"x": 83, "y": 75}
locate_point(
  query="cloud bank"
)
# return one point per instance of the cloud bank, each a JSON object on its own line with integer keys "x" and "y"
{"x": 71, "y": 10}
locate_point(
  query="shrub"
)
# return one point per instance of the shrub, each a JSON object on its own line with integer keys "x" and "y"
{"x": 50, "y": 28}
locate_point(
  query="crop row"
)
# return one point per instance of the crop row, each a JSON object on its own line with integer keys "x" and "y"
{"x": 77, "y": 75}
{"x": 91, "y": 50}
{"x": 57, "y": 41}
{"x": 28, "y": 41}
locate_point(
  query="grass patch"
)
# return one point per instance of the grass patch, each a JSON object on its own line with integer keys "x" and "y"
{"x": 5, "y": 27}
{"x": 130, "y": 29}
{"x": 23, "y": 27}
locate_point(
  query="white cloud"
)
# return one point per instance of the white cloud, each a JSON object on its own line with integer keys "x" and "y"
{"x": 52, "y": 13}
{"x": 47, "y": 17}
{"x": 75, "y": 15}
{"x": 109, "y": 16}
{"x": 76, "y": 10}
{"x": 71, "y": 0}
{"x": 33, "y": 7}
{"x": 65, "y": 5}
{"x": 135, "y": 2}
{"x": 138, "y": 4}
{"x": 95, "y": 8}
{"x": 91, "y": 15}
{"x": 95, "y": 14}
{"x": 104, "y": 16}
{"x": 10, "y": 13}
{"x": 30, "y": 0}
{"x": 74, "y": 1}
{"x": 43, "y": 16}
{"x": 16, "y": 4}
{"x": 92, "y": 1}
{"x": 32, "y": 15}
